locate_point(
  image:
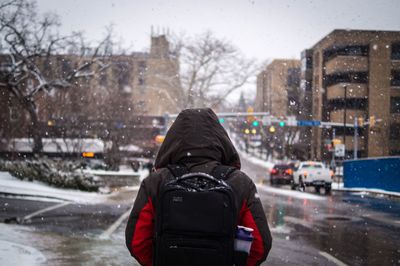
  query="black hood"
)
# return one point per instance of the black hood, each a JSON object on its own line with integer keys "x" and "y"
{"x": 197, "y": 135}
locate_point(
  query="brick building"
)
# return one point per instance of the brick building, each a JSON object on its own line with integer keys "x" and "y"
{"x": 145, "y": 83}
{"x": 277, "y": 88}
{"x": 139, "y": 83}
{"x": 356, "y": 74}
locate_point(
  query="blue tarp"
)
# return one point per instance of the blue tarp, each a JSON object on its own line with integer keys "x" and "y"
{"x": 379, "y": 173}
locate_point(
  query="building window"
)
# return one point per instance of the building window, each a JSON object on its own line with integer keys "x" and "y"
{"x": 142, "y": 72}
{"x": 347, "y": 77}
{"x": 122, "y": 72}
{"x": 395, "y": 105}
{"x": 396, "y": 51}
{"x": 293, "y": 77}
{"x": 350, "y": 103}
{"x": 306, "y": 63}
{"x": 395, "y": 79}
{"x": 350, "y": 50}
{"x": 394, "y": 131}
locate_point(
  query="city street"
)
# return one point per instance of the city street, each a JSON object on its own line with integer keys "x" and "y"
{"x": 94, "y": 95}
{"x": 308, "y": 229}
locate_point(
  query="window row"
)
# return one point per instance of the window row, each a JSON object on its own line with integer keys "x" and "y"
{"x": 349, "y": 50}
{"x": 345, "y": 77}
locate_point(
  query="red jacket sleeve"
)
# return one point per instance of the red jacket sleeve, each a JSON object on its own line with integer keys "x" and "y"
{"x": 252, "y": 215}
{"x": 140, "y": 228}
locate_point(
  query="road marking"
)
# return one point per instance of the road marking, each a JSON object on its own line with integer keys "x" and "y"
{"x": 332, "y": 258}
{"x": 30, "y": 216}
{"x": 110, "y": 230}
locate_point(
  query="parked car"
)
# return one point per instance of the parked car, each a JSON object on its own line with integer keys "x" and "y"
{"x": 281, "y": 174}
{"x": 312, "y": 174}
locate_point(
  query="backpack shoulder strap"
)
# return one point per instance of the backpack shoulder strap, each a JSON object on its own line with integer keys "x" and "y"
{"x": 222, "y": 171}
{"x": 177, "y": 170}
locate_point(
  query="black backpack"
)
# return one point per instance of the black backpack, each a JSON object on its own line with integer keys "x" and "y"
{"x": 196, "y": 217}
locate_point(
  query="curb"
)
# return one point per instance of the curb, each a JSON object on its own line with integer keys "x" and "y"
{"x": 366, "y": 190}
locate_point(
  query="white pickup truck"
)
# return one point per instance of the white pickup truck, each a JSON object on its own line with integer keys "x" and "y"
{"x": 312, "y": 174}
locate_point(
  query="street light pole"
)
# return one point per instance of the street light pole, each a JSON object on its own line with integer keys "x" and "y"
{"x": 344, "y": 119}
{"x": 355, "y": 140}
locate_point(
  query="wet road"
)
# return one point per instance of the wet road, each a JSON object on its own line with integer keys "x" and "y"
{"x": 308, "y": 228}
{"x": 346, "y": 228}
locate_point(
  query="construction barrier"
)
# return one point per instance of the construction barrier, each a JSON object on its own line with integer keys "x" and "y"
{"x": 374, "y": 173}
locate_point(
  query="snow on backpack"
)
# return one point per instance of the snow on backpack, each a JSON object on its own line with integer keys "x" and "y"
{"x": 196, "y": 217}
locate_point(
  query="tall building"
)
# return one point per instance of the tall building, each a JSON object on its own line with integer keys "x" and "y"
{"x": 356, "y": 75}
{"x": 278, "y": 88}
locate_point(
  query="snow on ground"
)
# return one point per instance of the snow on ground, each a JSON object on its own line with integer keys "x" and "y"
{"x": 143, "y": 174}
{"x": 371, "y": 190}
{"x": 290, "y": 193}
{"x": 12, "y": 185}
{"x": 17, "y": 188}
{"x": 337, "y": 185}
{"x": 257, "y": 161}
{"x": 122, "y": 172}
{"x": 15, "y": 249}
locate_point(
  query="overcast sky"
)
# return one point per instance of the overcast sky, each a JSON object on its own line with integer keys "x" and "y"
{"x": 261, "y": 29}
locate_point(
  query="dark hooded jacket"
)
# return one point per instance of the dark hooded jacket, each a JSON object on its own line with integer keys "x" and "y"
{"x": 197, "y": 140}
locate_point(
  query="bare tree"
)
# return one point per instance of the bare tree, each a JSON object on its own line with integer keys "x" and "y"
{"x": 28, "y": 44}
{"x": 211, "y": 69}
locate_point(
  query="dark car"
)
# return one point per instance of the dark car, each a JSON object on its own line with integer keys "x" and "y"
{"x": 281, "y": 174}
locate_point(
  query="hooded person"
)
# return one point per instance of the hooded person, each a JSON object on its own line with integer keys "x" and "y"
{"x": 197, "y": 140}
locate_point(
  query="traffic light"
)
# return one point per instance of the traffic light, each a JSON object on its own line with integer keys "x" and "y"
{"x": 255, "y": 123}
{"x": 372, "y": 121}
{"x": 282, "y": 123}
{"x": 250, "y": 116}
{"x": 221, "y": 120}
{"x": 336, "y": 141}
{"x": 272, "y": 129}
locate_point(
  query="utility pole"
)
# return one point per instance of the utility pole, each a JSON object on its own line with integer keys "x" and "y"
{"x": 333, "y": 162}
{"x": 355, "y": 141}
{"x": 344, "y": 120}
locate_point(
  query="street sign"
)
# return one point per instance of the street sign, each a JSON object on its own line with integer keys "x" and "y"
{"x": 309, "y": 123}
{"x": 291, "y": 121}
{"x": 266, "y": 120}
{"x": 339, "y": 150}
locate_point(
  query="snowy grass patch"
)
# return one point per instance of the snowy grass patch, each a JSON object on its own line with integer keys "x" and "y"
{"x": 64, "y": 174}
{"x": 10, "y": 185}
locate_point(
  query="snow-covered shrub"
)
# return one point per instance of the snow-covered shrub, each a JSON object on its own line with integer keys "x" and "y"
{"x": 63, "y": 174}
